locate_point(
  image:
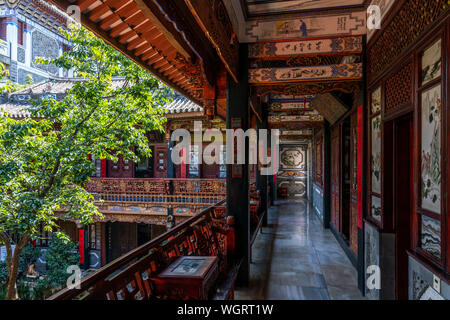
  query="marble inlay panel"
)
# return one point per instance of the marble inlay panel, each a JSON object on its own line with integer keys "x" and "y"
{"x": 376, "y": 208}
{"x": 376, "y": 155}
{"x": 431, "y": 236}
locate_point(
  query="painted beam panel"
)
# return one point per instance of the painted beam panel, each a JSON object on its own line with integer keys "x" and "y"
{"x": 341, "y": 46}
{"x": 290, "y": 106}
{"x": 332, "y": 72}
{"x": 278, "y": 7}
{"x": 307, "y": 117}
{"x": 352, "y": 23}
{"x": 304, "y": 132}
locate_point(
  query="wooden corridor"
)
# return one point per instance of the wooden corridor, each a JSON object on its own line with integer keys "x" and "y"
{"x": 295, "y": 258}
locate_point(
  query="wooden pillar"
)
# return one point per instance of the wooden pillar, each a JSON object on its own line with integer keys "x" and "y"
{"x": 238, "y": 185}
{"x": 327, "y": 175}
{"x": 170, "y": 165}
{"x": 261, "y": 181}
{"x": 103, "y": 168}
{"x": 183, "y": 167}
{"x": 82, "y": 247}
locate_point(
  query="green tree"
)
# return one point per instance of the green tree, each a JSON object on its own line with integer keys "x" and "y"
{"x": 44, "y": 161}
{"x": 61, "y": 254}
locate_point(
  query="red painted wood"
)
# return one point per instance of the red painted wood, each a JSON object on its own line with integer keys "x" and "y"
{"x": 103, "y": 168}
{"x": 81, "y": 245}
{"x": 360, "y": 166}
{"x": 183, "y": 163}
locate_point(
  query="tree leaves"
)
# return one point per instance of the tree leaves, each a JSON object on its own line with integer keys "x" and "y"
{"x": 44, "y": 161}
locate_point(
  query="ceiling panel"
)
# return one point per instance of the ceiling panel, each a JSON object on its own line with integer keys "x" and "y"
{"x": 267, "y": 7}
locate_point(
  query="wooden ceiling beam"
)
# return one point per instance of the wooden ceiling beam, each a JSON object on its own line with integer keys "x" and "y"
{"x": 98, "y": 12}
{"x": 127, "y": 10}
{"x": 85, "y": 4}
{"x": 153, "y": 13}
{"x": 116, "y": 4}
{"x": 109, "y": 21}
{"x": 135, "y": 43}
{"x": 117, "y": 30}
{"x": 113, "y": 41}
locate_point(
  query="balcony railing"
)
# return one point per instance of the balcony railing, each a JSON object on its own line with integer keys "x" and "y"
{"x": 155, "y": 197}
{"x": 130, "y": 276}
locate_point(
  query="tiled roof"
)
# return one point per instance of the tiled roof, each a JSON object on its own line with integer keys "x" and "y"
{"x": 182, "y": 105}
{"x": 15, "y": 110}
{"x": 56, "y": 87}
{"x": 19, "y": 101}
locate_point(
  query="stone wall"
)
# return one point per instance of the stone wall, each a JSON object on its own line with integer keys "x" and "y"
{"x": 22, "y": 76}
{"x": 44, "y": 46}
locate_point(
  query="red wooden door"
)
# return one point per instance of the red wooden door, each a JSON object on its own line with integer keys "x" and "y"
{"x": 335, "y": 176}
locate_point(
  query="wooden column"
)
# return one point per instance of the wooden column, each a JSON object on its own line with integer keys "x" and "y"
{"x": 327, "y": 176}
{"x": 261, "y": 181}
{"x": 238, "y": 188}
{"x": 82, "y": 247}
{"x": 170, "y": 165}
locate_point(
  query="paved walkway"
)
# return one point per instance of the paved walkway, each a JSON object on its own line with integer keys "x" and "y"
{"x": 296, "y": 259}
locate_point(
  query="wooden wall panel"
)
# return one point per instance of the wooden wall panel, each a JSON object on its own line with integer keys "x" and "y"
{"x": 335, "y": 177}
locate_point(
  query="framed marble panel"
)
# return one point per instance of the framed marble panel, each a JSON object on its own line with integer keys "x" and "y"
{"x": 431, "y": 149}
{"x": 376, "y": 208}
{"x": 431, "y": 62}
{"x": 376, "y": 154}
{"x": 376, "y": 101}
{"x": 431, "y": 236}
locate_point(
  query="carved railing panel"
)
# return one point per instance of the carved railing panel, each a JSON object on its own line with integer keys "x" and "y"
{"x": 162, "y": 192}
{"x": 129, "y": 277}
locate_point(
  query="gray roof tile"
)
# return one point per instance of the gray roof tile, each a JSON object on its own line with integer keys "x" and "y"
{"x": 18, "y": 102}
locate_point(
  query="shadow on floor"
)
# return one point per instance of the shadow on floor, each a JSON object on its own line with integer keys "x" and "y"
{"x": 295, "y": 258}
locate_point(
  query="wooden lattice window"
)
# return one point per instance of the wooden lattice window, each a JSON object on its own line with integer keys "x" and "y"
{"x": 399, "y": 89}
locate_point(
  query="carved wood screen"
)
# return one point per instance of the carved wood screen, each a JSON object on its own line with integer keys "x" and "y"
{"x": 415, "y": 40}
{"x": 431, "y": 112}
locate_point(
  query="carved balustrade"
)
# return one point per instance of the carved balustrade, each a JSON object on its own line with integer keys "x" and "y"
{"x": 130, "y": 276}
{"x": 130, "y": 195}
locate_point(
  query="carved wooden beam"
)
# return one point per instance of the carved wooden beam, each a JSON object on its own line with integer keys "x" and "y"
{"x": 308, "y": 88}
{"x": 334, "y": 46}
{"x": 352, "y": 71}
{"x": 177, "y": 13}
{"x": 212, "y": 17}
{"x": 290, "y": 106}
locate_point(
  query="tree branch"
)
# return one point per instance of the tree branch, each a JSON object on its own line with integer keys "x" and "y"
{"x": 5, "y": 238}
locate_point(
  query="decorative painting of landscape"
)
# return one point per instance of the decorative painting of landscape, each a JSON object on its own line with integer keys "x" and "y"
{"x": 431, "y": 149}
{"x": 376, "y": 155}
{"x": 283, "y": 6}
{"x": 431, "y": 62}
{"x": 376, "y": 101}
{"x": 431, "y": 236}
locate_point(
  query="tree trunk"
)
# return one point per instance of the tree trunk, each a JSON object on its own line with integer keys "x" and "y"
{"x": 11, "y": 293}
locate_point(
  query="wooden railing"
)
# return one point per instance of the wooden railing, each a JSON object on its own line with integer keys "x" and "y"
{"x": 151, "y": 200}
{"x": 196, "y": 192}
{"x": 130, "y": 276}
